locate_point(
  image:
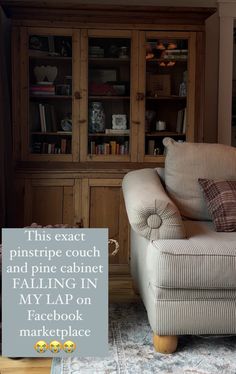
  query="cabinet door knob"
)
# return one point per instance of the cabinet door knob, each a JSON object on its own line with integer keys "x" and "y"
{"x": 136, "y": 122}
{"x": 77, "y": 95}
{"x": 140, "y": 96}
{"x": 82, "y": 121}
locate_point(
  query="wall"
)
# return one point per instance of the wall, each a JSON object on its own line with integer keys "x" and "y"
{"x": 227, "y": 12}
{"x": 211, "y": 79}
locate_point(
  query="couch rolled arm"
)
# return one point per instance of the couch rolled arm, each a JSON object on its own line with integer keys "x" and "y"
{"x": 151, "y": 212}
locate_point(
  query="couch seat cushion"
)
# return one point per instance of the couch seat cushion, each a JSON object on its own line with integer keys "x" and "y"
{"x": 205, "y": 260}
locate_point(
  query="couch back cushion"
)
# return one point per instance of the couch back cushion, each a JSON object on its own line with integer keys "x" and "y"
{"x": 185, "y": 163}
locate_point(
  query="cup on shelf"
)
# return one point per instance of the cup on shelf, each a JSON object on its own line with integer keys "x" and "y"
{"x": 123, "y": 52}
{"x": 160, "y": 125}
{"x": 63, "y": 89}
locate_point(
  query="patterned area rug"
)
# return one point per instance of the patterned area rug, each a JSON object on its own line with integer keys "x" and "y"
{"x": 131, "y": 350}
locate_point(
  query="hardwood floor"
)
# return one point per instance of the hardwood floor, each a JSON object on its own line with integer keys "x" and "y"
{"x": 25, "y": 366}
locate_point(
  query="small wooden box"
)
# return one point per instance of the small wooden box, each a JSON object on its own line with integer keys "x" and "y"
{"x": 158, "y": 84}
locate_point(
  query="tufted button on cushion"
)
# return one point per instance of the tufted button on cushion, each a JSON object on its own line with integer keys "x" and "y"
{"x": 154, "y": 221}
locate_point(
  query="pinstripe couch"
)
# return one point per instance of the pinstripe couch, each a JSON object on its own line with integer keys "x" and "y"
{"x": 184, "y": 270}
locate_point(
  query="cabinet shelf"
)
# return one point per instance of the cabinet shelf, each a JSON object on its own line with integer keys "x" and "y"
{"x": 103, "y": 60}
{"x": 51, "y": 97}
{"x": 171, "y": 97}
{"x": 107, "y": 135}
{"x": 176, "y": 60}
{"x": 48, "y": 57}
{"x": 61, "y": 133}
{"x": 108, "y": 97}
{"x": 164, "y": 133}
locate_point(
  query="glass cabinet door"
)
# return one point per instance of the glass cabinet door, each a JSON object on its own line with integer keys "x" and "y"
{"x": 108, "y": 107}
{"x": 50, "y": 96}
{"x": 165, "y": 107}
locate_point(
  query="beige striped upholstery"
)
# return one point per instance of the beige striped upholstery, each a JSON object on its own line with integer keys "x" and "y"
{"x": 151, "y": 212}
{"x": 201, "y": 261}
{"x": 180, "y": 304}
{"x": 188, "y": 282}
{"x": 194, "y": 317}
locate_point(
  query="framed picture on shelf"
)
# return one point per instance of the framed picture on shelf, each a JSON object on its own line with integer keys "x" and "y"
{"x": 119, "y": 121}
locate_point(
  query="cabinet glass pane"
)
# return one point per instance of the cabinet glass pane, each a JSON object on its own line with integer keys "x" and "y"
{"x": 50, "y": 94}
{"x": 109, "y": 96}
{"x": 166, "y": 92}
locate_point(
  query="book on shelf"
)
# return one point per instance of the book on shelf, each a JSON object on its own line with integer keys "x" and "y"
{"x": 106, "y": 148}
{"x": 181, "y": 121}
{"x": 44, "y": 147}
{"x": 51, "y": 148}
{"x": 184, "y": 121}
{"x": 92, "y": 147}
{"x": 111, "y": 148}
{"x": 151, "y": 147}
{"x": 117, "y": 132}
{"x": 47, "y": 117}
{"x": 53, "y": 118}
{"x": 42, "y": 90}
{"x": 63, "y": 146}
{"x": 42, "y": 117}
{"x": 36, "y": 147}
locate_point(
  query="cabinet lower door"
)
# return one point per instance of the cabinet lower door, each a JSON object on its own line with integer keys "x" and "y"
{"x": 49, "y": 201}
{"x": 103, "y": 206}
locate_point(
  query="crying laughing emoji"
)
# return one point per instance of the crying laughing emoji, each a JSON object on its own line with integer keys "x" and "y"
{"x": 41, "y": 346}
{"x": 69, "y": 346}
{"x": 55, "y": 346}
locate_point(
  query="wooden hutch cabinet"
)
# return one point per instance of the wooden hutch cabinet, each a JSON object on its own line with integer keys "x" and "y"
{"x": 95, "y": 91}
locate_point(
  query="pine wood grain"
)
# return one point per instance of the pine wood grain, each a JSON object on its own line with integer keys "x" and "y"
{"x": 25, "y": 366}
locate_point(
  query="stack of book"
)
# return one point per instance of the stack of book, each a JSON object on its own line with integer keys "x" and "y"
{"x": 62, "y": 146}
{"x": 111, "y": 148}
{"x": 47, "y": 118}
{"x": 42, "y": 89}
{"x": 181, "y": 121}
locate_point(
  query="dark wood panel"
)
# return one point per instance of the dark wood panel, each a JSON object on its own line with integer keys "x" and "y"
{"x": 72, "y": 11}
{"x": 68, "y": 206}
{"x": 107, "y": 210}
{"x": 47, "y": 204}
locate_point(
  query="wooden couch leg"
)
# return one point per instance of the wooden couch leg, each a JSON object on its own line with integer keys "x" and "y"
{"x": 165, "y": 344}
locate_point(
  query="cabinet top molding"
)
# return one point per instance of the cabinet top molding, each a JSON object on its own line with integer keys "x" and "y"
{"x": 71, "y": 11}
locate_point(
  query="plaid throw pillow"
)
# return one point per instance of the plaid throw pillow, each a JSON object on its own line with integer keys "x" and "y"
{"x": 220, "y": 197}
